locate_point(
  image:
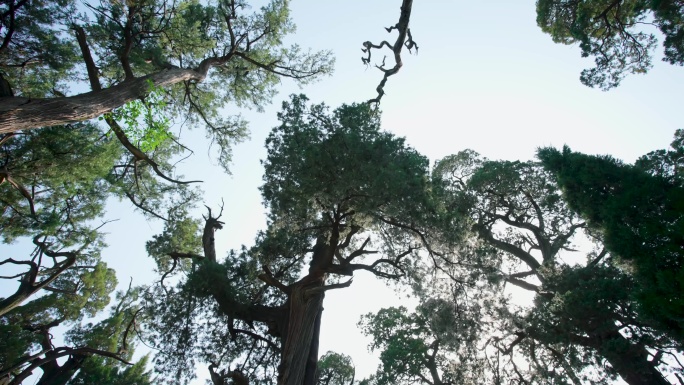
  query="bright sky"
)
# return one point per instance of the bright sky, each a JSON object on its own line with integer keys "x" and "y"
{"x": 485, "y": 78}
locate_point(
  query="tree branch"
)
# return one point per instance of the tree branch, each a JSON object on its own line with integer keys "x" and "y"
{"x": 403, "y": 40}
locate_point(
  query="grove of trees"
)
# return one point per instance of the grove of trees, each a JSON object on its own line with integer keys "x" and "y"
{"x": 98, "y": 101}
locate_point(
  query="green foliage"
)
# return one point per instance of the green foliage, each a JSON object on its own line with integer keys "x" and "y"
{"x": 641, "y": 218}
{"x": 436, "y": 344}
{"x": 243, "y": 54}
{"x": 404, "y": 341}
{"x": 143, "y": 120}
{"x": 340, "y": 162}
{"x": 335, "y": 369}
{"x": 97, "y": 370}
{"x": 66, "y": 171}
{"x": 181, "y": 234}
{"x": 609, "y": 31}
{"x": 36, "y": 57}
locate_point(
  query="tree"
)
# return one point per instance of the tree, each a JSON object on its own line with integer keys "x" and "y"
{"x": 584, "y": 314}
{"x": 187, "y": 51}
{"x": 54, "y": 186}
{"x": 335, "y": 186}
{"x": 435, "y": 345}
{"x": 335, "y": 369}
{"x": 30, "y": 345}
{"x": 612, "y": 31}
{"x": 639, "y": 211}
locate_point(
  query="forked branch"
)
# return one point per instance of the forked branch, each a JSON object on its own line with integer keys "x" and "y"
{"x": 403, "y": 40}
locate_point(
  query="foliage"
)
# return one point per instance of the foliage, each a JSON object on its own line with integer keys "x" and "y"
{"x": 436, "y": 344}
{"x": 319, "y": 163}
{"x": 612, "y": 31}
{"x": 640, "y": 216}
{"x": 156, "y": 61}
{"x": 36, "y": 58}
{"x": 525, "y": 234}
{"x": 97, "y": 370}
{"x": 336, "y": 187}
{"x": 149, "y": 111}
{"x": 335, "y": 369}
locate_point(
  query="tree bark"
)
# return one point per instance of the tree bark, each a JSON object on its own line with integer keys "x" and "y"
{"x": 629, "y": 360}
{"x": 20, "y": 113}
{"x": 300, "y": 340}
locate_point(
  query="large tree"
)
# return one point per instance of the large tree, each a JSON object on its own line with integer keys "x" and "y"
{"x": 585, "y": 313}
{"x": 339, "y": 192}
{"x": 615, "y": 33}
{"x": 639, "y": 209}
{"x": 437, "y": 344}
{"x": 54, "y": 185}
{"x": 198, "y": 57}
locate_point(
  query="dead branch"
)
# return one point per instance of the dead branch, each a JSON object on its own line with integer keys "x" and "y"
{"x": 403, "y": 40}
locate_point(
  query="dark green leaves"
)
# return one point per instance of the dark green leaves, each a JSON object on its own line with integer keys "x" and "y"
{"x": 340, "y": 164}
{"x": 609, "y": 31}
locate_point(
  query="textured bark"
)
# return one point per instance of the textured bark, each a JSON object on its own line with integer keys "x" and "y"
{"x": 629, "y": 360}
{"x": 19, "y": 113}
{"x": 300, "y": 340}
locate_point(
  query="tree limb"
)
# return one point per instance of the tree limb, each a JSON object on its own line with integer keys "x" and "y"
{"x": 403, "y": 40}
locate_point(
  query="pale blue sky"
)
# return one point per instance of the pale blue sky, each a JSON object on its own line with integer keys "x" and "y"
{"x": 485, "y": 78}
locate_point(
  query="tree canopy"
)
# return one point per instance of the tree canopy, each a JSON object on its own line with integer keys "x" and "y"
{"x": 638, "y": 209}
{"x": 337, "y": 189}
{"x": 615, "y": 33}
{"x": 94, "y": 97}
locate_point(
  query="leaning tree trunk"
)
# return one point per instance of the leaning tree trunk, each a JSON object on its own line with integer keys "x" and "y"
{"x": 629, "y": 360}
{"x": 20, "y": 113}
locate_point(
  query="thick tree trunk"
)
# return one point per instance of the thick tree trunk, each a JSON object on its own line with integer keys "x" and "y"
{"x": 19, "y": 113}
{"x": 54, "y": 374}
{"x": 629, "y": 360}
{"x": 300, "y": 341}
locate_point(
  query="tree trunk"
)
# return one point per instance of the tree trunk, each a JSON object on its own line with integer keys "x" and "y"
{"x": 300, "y": 341}
{"x": 20, "y": 113}
{"x": 60, "y": 375}
{"x": 630, "y": 361}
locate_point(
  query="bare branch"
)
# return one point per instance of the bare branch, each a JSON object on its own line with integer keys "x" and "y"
{"x": 403, "y": 40}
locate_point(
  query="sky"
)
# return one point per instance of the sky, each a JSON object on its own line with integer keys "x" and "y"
{"x": 485, "y": 78}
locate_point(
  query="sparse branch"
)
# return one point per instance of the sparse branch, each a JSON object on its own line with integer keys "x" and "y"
{"x": 403, "y": 40}
{"x": 361, "y": 251}
{"x": 354, "y": 229}
{"x": 268, "y": 342}
{"x": 423, "y": 239}
{"x": 4, "y": 176}
{"x": 28, "y": 285}
{"x": 321, "y": 289}
{"x": 519, "y": 337}
{"x": 93, "y": 75}
{"x": 141, "y": 206}
{"x": 288, "y": 72}
{"x": 517, "y": 252}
